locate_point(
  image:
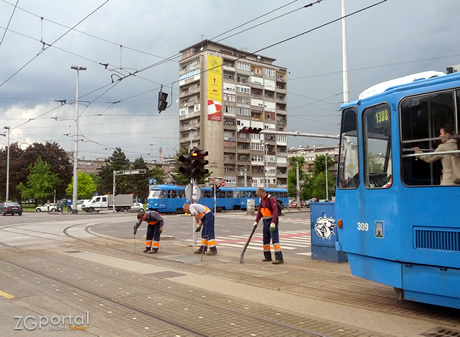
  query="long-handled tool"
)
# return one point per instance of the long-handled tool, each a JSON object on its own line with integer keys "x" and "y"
{"x": 247, "y": 243}
{"x": 205, "y": 238}
{"x": 134, "y": 243}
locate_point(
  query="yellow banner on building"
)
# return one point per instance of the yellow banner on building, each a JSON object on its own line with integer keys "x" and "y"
{"x": 214, "y": 88}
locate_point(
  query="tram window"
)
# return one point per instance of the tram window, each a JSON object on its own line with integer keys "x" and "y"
{"x": 377, "y": 147}
{"x": 348, "y": 164}
{"x": 207, "y": 194}
{"x": 172, "y": 194}
{"x": 421, "y": 119}
{"x": 156, "y": 194}
{"x": 229, "y": 194}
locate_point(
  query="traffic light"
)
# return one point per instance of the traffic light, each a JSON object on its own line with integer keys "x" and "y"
{"x": 186, "y": 168}
{"x": 198, "y": 163}
{"x": 162, "y": 101}
{"x": 251, "y": 130}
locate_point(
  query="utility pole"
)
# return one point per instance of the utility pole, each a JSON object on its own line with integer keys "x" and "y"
{"x": 297, "y": 185}
{"x": 344, "y": 56}
{"x": 75, "y": 154}
{"x": 8, "y": 164}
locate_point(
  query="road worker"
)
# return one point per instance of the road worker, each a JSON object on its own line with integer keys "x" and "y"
{"x": 154, "y": 229}
{"x": 204, "y": 219}
{"x": 268, "y": 211}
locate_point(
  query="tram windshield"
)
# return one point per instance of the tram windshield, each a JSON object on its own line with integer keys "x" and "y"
{"x": 348, "y": 163}
{"x": 157, "y": 194}
{"x": 378, "y": 172}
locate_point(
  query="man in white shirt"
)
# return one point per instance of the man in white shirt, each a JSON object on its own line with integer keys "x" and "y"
{"x": 204, "y": 219}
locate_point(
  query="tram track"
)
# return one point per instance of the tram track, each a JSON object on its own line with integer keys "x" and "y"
{"x": 381, "y": 301}
{"x": 179, "y": 296}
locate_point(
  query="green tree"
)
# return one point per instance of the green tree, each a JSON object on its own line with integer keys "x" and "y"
{"x": 41, "y": 182}
{"x": 319, "y": 178}
{"x": 304, "y": 179}
{"x": 55, "y": 156}
{"x": 117, "y": 162}
{"x": 139, "y": 184}
{"x": 86, "y": 186}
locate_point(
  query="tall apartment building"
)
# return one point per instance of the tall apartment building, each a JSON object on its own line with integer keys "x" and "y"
{"x": 223, "y": 90}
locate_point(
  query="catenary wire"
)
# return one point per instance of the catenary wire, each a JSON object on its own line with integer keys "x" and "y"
{"x": 46, "y": 45}
{"x": 9, "y": 21}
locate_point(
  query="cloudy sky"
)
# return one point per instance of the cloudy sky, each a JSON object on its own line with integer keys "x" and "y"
{"x": 41, "y": 40}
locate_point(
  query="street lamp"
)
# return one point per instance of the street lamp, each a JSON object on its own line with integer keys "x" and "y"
{"x": 75, "y": 154}
{"x": 7, "y": 164}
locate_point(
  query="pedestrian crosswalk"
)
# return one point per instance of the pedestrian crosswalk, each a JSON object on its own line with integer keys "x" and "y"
{"x": 285, "y": 218}
{"x": 295, "y": 242}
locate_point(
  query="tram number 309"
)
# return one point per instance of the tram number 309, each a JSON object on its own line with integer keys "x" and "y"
{"x": 363, "y": 226}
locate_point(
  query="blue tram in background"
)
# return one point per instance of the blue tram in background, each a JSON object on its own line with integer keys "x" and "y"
{"x": 398, "y": 225}
{"x": 171, "y": 198}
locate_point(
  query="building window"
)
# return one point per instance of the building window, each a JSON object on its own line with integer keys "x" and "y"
{"x": 245, "y": 90}
{"x": 243, "y": 66}
{"x": 243, "y": 111}
{"x": 190, "y": 74}
{"x": 269, "y": 72}
{"x": 244, "y": 100}
{"x": 229, "y": 98}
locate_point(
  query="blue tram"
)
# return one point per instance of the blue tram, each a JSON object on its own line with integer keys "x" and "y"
{"x": 171, "y": 198}
{"x": 398, "y": 221}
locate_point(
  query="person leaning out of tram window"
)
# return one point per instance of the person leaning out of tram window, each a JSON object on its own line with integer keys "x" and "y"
{"x": 450, "y": 162}
{"x": 154, "y": 229}
{"x": 205, "y": 219}
{"x": 268, "y": 211}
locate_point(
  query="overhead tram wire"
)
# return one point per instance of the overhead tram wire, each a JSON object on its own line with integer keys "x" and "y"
{"x": 296, "y": 36}
{"x": 131, "y": 74}
{"x": 167, "y": 59}
{"x": 272, "y": 19}
{"x": 46, "y": 45}
{"x": 320, "y": 26}
{"x": 377, "y": 66}
{"x": 9, "y": 21}
{"x": 170, "y": 58}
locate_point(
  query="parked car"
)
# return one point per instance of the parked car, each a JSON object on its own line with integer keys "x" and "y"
{"x": 10, "y": 208}
{"x": 80, "y": 203}
{"x": 51, "y": 207}
{"x": 137, "y": 207}
{"x": 294, "y": 204}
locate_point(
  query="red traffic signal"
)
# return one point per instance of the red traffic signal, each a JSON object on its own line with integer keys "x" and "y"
{"x": 251, "y": 130}
{"x": 162, "y": 101}
{"x": 186, "y": 168}
{"x": 198, "y": 162}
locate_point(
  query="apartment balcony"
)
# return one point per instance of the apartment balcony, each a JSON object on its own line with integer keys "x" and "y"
{"x": 229, "y": 145}
{"x": 228, "y": 67}
{"x": 281, "y": 89}
{"x": 244, "y": 151}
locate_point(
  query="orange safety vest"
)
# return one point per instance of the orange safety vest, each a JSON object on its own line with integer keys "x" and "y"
{"x": 207, "y": 210}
